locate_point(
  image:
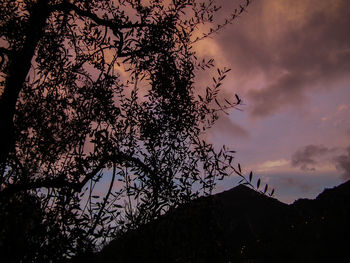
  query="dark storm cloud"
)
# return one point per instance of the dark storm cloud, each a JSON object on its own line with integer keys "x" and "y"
{"x": 343, "y": 163}
{"x": 225, "y": 126}
{"x": 287, "y": 90}
{"x": 299, "y": 46}
{"x": 308, "y": 157}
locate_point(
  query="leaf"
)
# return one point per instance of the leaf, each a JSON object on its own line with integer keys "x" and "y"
{"x": 238, "y": 99}
{"x": 265, "y": 189}
{"x": 216, "y": 101}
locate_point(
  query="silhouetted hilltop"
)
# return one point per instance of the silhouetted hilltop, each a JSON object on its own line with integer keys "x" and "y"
{"x": 340, "y": 193}
{"x": 242, "y": 225}
{"x": 322, "y": 229}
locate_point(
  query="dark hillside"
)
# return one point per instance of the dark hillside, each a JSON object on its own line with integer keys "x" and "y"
{"x": 241, "y": 225}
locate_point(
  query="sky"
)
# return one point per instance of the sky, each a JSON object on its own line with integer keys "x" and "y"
{"x": 290, "y": 62}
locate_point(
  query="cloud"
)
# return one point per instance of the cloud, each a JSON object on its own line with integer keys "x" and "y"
{"x": 286, "y": 91}
{"x": 271, "y": 165}
{"x": 308, "y": 157}
{"x": 225, "y": 126}
{"x": 312, "y": 157}
{"x": 300, "y": 47}
{"x": 343, "y": 163}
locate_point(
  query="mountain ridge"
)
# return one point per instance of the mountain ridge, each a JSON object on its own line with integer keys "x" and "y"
{"x": 242, "y": 225}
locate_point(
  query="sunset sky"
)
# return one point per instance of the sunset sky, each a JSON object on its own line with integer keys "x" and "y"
{"x": 290, "y": 62}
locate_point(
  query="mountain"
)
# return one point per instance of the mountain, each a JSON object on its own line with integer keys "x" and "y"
{"x": 242, "y": 225}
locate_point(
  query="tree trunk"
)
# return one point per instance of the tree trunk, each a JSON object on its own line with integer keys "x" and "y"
{"x": 19, "y": 65}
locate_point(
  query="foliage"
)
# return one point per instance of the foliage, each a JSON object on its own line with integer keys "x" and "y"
{"x": 102, "y": 123}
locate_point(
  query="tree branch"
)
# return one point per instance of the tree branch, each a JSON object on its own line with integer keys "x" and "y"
{"x": 66, "y": 6}
{"x": 59, "y": 181}
{"x": 105, "y": 201}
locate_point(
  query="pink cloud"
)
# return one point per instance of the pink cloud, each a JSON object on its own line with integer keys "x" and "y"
{"x": 301, "y": 47}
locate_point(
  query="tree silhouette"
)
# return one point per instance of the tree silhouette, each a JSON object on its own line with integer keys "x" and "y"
{"x": 101, "y": 121}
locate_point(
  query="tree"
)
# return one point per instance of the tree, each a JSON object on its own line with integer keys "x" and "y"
{"x": 72, "y": 123}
